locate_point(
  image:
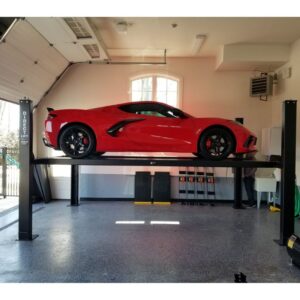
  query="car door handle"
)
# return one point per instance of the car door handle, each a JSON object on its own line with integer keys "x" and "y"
{"x": 113, "y": 130}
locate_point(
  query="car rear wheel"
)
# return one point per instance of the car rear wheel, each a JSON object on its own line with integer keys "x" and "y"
{"x": 216, "y": 144}
{"x": 77, "y": 141}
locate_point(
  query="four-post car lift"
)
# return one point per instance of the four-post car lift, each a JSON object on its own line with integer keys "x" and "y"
{"x": 286, "y": 164}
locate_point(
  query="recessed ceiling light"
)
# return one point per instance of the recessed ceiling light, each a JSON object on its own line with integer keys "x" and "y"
{"x": 122, "y": 27}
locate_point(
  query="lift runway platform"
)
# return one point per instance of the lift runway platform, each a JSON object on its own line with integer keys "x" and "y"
{"x": 158, "y": 161}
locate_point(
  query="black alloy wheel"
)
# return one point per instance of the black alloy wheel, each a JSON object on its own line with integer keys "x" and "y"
{"x": 77, "y": 141}
{"x": 216, "y": 144}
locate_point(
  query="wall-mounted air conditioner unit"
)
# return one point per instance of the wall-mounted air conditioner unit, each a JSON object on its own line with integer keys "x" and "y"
{"x": 261, "y": 86}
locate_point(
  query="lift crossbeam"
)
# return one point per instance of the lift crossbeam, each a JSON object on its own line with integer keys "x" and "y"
{"x": 158, "y": 161}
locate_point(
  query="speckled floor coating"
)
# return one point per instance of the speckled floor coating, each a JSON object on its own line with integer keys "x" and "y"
{"x": 83, "y": 244}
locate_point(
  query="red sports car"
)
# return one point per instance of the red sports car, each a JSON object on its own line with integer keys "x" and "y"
{"x": 146, "y": 127}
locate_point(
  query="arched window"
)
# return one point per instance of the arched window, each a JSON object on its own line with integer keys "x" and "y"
{"x": 156, "y": 88}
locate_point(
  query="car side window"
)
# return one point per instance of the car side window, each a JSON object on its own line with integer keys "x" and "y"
{"x": 152, "y": 109}
{"x": 150, "y": 113}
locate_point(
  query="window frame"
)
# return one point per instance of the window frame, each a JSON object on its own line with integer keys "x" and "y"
{"x": 154, "y": 76}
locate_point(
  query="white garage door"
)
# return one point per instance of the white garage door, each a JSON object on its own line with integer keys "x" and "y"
{"x": 28, "y": 64}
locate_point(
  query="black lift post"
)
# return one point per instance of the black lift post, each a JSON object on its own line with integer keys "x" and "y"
{"x": 26, "y": 172}
{"x": 4, "y": 171}
{"x": 288, "y": 152}
{"x": 238, "y": 194}
{"x": 237, "y": 202}
{"x": 74, "y": 185}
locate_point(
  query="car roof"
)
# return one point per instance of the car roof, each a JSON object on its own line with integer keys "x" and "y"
{"x": 132, "y": 103}
{"x": 144, "y": 103}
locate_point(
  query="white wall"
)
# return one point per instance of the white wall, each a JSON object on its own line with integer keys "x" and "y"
{"x": 289, "y": 89}
{"x": 205, "y": 93}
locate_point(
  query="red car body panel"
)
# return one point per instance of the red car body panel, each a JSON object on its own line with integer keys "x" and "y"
{"x": 145, "y": 133}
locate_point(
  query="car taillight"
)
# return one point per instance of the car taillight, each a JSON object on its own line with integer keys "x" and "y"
{"x": 51, "y": 116}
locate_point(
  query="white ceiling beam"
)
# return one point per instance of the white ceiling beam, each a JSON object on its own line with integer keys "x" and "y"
{"x": 260, "y": 57}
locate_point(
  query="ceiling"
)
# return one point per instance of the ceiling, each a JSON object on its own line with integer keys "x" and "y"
{"x": 37, "y": 50}
{"x": 149, "y": 36}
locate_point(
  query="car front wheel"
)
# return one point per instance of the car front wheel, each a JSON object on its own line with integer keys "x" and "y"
{"x": 77, "y": 141}
{"x": 216, "y": 144}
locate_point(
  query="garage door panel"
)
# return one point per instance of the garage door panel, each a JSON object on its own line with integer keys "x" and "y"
{"x": 11, "y": 93}
{"x": 23, "y": 68}
{"x": 24, "y": 62}
{"x": 22, "y": 48}
{"x": 15, "y": 92}
{"x": 24, "y": 77}
{"x": 33, "y": 44}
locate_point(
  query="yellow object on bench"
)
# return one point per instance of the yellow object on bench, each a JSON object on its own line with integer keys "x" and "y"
{"x": 274, "y": 209}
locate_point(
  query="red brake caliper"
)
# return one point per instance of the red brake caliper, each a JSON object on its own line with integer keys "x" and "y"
{"x": 208, "y": 144}
{"x": 85, "y": 141}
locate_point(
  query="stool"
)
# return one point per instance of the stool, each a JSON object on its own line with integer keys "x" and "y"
{"x": 267, "y": 185}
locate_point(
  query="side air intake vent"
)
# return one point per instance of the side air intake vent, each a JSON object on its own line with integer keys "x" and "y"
{"x": 261, "y": 86}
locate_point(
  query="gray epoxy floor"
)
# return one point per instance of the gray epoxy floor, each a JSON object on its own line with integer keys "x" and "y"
{"x": 83, "y": 244}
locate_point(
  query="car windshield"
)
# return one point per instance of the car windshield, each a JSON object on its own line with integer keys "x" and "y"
{"x": 154, "y": 109}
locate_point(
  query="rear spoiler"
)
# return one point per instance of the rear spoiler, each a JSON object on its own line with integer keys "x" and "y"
{"x": 50, "y": 109}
